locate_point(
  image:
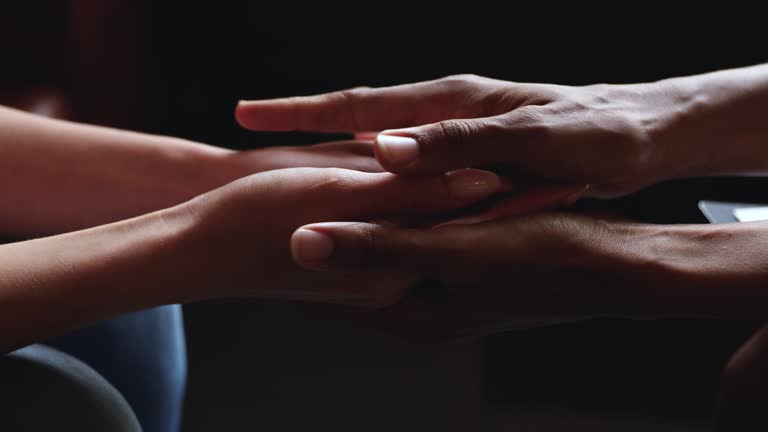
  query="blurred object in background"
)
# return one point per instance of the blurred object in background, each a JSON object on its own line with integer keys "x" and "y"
{"x": 76, "y": 59}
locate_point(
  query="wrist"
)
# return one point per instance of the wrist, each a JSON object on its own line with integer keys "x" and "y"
{"x": 196, "y": 168}
{"x": 712, "y": 271}
{"x": 667, "y": 111}
{"x": 59, "y": 283}
{"x": 714, "y": 124}
{"x": 623, "y": 262}
{"x": 142, "y": 259}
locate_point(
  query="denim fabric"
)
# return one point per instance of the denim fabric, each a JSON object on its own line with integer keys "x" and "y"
{"x": 43, "y": 389}
{"x": 144, "y": 356}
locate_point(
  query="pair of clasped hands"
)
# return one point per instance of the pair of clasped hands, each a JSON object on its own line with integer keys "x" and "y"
{"x": 460, "y": 191}
{"x": 456, "y": 193}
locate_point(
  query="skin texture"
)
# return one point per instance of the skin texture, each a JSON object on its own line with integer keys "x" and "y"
{"x": 58, "y": 176}
{"x": 558, "y": 267}
{"x": 136, "y": 199}
{"x": 616, "y": 138}
{"x": 232, "y": 241}
{"x": 567, "y": 265}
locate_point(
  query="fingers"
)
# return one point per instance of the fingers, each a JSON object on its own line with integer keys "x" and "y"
{"x": 459, "y": 250}
{"x": 353, "y": 246}
{"x": 357, "y": 146}
{"x": 382, "y": 195}
{"x": 352, "y": 155}
{"x": 347, "y": 161}
{"x": 532, "y": 200}
{"x": 509, "y": 140}
{"x": 365, "y": 109}
{"x": 327, "y": 194}
{"x": 525, "y": 201}
{"x": 498, "y": 248}
{"x": 355, "y": 155}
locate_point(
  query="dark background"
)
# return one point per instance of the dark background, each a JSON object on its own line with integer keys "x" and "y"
{"x": 185, "y": 65}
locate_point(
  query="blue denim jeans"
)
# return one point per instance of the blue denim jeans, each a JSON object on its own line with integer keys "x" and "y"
{"x": 43, "y": 389}
{"x": 143, "y": 355}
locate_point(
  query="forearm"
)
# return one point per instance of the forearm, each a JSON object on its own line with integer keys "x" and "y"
{"x": 713, "y": 271}
{"x": 717, "y": 123}
{"x": 58, "y": 176}
{"x": 55, "y": 284}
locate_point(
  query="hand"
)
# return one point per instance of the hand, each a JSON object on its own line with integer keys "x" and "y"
{"x": 358, "y": 155}
{"x": 511, "y": 273}
{"x": 234, "y": 241}
{"x": 554, "y": 266}
{"x": 612, "y": 136}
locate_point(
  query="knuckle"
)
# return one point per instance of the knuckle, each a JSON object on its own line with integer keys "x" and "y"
{"x": 329, "y": 180}
{"x": 530, "y": 122}
{"x": 348, "y": 102}
{"x": 360, "y": 89}
{"x": 367, "y": 234}
{"x": 329, "y": 173}
{"x": 529, "y": 115}
{"x": 466, "y": 77}
{"x": 463, "y": 80}
{"x": 496, "y": 101}
{"x": 260, "y": 181}
{"x": 456, "y": 133}
{"x": 366, "y": 244}
{"x": 351, "y": 95}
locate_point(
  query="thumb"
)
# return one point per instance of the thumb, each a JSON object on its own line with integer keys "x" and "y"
{"x": 367, "y": 247}
{"x": 460, "y": 143}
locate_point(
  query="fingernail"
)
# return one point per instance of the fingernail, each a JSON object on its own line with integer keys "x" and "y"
{"x": 472, "y": 184}
{"x": 397, "y": 150}
{"x": 309, "y": 245}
